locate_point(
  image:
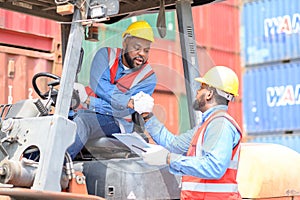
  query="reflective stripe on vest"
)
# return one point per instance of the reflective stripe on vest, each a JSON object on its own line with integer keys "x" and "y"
{"x": 226, "y": 185}
{"x": 207, "y": 187}
{"x": 113, "y": 55}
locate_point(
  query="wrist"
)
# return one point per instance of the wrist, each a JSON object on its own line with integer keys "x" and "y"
{"x": 87, "y": 101}
{"x": 147, "y": 116}
{"x": 130, "y": 104}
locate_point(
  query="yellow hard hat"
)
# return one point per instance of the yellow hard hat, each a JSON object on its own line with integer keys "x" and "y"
{"x": 140, "y": 29}
{"x": 222, "y": 78}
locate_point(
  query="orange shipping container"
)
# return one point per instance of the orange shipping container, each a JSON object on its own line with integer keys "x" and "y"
{"x": 24, "y": 23}
{"x": 231, "y": 60}
{"x": 25, "y": 31}
{"x": 166, "y": 109}
{"x": 217, "y": 26}
{"x": 18, "y": 66}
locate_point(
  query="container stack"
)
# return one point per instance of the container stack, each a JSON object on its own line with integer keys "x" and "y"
{"x": 271, "y": 56}
{"x": 217, "y": 36}
{"x": 26, "y": 48}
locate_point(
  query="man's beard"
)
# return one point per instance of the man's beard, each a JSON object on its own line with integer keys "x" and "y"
{"x": 198, "y": 104}
{"x": 130, "y": 61}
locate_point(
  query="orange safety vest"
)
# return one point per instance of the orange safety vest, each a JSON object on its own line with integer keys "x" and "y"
{"x": 128, "y": 81}
{"x": 224, "y": 188}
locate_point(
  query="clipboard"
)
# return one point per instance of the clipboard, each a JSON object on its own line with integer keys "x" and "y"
{"x": 133, "y": 141}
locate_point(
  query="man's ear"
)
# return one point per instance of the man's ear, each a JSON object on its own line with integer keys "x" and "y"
{"x": 209, "y": 95}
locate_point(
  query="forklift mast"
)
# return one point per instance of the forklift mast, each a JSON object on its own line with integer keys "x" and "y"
{"x": 84, "y": 13}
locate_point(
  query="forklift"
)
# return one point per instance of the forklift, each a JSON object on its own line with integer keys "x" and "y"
{"x": 34, "y": 163}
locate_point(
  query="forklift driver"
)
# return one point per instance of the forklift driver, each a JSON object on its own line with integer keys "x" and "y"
{"x": 117, "y": 77}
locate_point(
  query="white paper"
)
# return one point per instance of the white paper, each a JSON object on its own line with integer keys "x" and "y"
{"x": 133, "y": 141}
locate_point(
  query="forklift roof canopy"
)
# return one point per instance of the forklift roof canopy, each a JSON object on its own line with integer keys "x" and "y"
{"x": 127, "y": 8}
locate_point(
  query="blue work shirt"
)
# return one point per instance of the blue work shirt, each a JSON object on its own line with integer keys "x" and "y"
{"x": 220, "y": 137}
{"x": 111, "y": 100}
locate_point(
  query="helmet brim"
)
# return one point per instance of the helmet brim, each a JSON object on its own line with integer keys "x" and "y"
{"x": 199, "y": 79}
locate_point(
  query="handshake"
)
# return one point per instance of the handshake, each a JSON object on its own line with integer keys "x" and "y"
{"x": 142, "y": 103}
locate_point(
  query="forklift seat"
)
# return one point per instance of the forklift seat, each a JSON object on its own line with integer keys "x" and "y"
{"x": 108, "y": 147}
{"x": 107, "y": 142}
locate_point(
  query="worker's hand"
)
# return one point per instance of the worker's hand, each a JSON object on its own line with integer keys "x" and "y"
{"x": 138, "y": 96}
{"x": 156, "y": 155}
{"x": 143, "y": 103}
{"x": 81, "y": 92}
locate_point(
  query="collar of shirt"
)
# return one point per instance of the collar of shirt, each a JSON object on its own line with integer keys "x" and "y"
{"x": 125, "y": 68}
{"x": 210, "y": 111}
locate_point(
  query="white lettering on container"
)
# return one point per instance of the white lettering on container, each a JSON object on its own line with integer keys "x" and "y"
{"x": 286, "y": 24}
{"x": 283, "y": 95}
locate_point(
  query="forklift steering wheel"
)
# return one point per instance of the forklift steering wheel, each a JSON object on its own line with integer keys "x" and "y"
{"x": 75, "y": 101}
{"x": 53, "y": 83}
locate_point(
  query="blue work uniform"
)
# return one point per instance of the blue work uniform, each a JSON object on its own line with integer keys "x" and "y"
{"x": 107, "y": 111}
{"x": 220, "y": 137}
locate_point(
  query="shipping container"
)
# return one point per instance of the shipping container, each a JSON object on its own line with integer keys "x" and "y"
{"x": 289, "y": 140}
{"x": 270, "y": 31}
{"x": 166, "y": 109}
{"x": 18, "y": 66}
{"x": 24, "y": 23}
{"x": 217, "y": 37}
{"x": 231, "y": 60}
{"x": 271, "y": 99}
{"x": 232, "y": 2}
{"x": 25, "y": 31}
{"x": 217, "y": 26}
{"x": 165, "y": 58}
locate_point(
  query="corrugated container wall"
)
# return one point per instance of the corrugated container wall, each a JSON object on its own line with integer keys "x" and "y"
{"x": 217, "y": 26}
{"x": 28, "y": 45}
{"x": 18, "y": 66}
{"x": 217, "y": 37}
{"x": 232, "y": 2}
{"x": 28, "y": 31}
{"x": 270, "y": 31}
{"x": 28, "y": 24}
{"x": 166, "y": 109}
{"x": 272, "y": 98}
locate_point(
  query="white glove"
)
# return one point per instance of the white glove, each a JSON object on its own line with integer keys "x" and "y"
{"x": 81, "y": 91}
{"x": 138, "y": 96}
{"x": 156, "y": 155}
{"x": 143, "y": 103}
